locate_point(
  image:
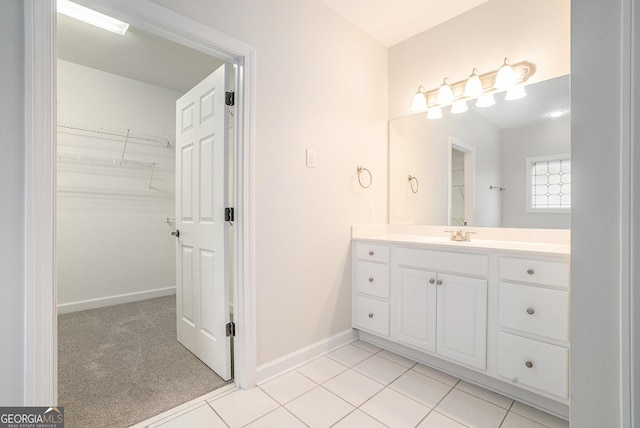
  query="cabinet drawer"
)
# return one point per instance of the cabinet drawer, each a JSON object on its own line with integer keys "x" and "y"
{"x": 536, "y": 364}
{"x": 373, "y": 279}
{"x": 377, "y": 253}
{"x": 444, "y": 261}
{"x": 534, "y": 310}
{"x": 535, "y": 271}
{"x": 372, "y": 315}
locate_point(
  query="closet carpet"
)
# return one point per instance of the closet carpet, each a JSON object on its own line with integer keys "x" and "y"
{"x": 122, "y": 364}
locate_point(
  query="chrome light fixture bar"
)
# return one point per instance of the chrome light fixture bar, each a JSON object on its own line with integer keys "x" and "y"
{"x": 92, "y": 17}
{"x": 509, "y": 77}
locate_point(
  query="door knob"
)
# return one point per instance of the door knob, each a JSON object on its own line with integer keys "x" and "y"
{"x": 176, "y": 233}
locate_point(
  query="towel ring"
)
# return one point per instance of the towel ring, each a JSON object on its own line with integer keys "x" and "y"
{"x": 413, "y": 182}
{"x": 361, "y": 169}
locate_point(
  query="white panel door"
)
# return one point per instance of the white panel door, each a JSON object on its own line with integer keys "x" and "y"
{"x": 202, "y": 296}
{"x": 462, "y": 319}
{"x": 416, "y": 308}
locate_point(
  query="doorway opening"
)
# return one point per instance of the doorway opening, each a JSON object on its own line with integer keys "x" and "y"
{"x": 461, "y": 183}
{"x": 116, "y": 258}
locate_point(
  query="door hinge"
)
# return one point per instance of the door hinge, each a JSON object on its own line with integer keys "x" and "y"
{"x": 230, "y": 98}
{"x": 231, "y": 329}
{"x": 228, "y": 214}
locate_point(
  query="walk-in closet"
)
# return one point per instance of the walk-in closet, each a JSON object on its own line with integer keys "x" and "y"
{"x": 119, "y": 361}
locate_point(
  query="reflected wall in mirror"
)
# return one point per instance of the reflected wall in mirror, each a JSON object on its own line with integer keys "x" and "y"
{"x": 500, "y": 140}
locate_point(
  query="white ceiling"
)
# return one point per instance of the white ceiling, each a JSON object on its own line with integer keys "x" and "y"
{"x": 137, "y": 55}
{"x": 392, "y": 21}
{"x": 142, "y": 56}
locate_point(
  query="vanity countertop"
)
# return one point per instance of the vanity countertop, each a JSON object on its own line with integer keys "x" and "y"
{"x": 445, "y": 242}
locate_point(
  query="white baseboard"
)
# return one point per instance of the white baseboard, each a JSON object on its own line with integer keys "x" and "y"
{"x": 101, "y": 302}
{"x": 268, "y": 371}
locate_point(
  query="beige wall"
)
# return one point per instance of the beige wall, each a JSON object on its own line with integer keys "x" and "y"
{"x": 321, "y": 84}
{"x": 536, "y": 31}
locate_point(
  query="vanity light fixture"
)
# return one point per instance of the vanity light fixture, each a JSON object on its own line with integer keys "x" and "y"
{"x": 473, "y": 87}
{"x": 445, "y": 94}
{"x": 92, "y": 17}
{"x": 556, "y": 114}
{"x": 434, "y": 113}
{"x": 459, "y": 106}
{"x": 486, "y": 101}
{"x": 419, "y": 100}
{"x": 481, "y": 87}
{"x": 506, "y": 77}
{"x": 515, "y": 93}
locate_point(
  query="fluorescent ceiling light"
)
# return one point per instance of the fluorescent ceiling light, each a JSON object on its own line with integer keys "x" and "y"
{"x": 92, "y": 17}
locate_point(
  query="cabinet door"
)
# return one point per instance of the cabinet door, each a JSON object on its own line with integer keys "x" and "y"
{"x": 462, "y": 319}
{"x": 415, "y": 308}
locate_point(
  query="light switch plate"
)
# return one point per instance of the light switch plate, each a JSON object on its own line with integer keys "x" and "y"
{"x": 311, "y": 158}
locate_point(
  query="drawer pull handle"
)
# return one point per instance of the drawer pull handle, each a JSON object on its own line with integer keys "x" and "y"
{"x": 530, "y": 271}
{"x": 370, "y": 279}
{"x": 529, "y": 364}
{"x": 531, "y": 311}
{"x": 371, "y": 253}
{"x": 439, "y": 282}
{"x": 371, "y": 315}
{"x": 432, "y": 281}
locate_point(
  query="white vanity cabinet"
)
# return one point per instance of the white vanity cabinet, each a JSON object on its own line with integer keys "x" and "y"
{"x": 371, "y": 310}
{"x": 438, "y": 312}
{"x": 533, "y": 324}
{"x": 494, "y": 313}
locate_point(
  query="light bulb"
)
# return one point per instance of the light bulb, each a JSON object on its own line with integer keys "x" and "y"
{"x": 473, "y": 87}
{"x": 434, "y": 113}
{"x": 459, "y": 107}
{"x": 419, "y": 100}
{"x": 506, "y": 77}
{"x": 515, "y": 93}
{"x": 445, "y": 94}
{"x": 486, "y": 101}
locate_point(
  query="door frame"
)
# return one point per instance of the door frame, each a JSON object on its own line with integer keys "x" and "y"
{"x": 469, "y": 180}
{"x": 41, "y": 380}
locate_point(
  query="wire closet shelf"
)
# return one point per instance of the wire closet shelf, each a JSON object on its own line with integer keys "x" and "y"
{"x": 128, "y": 135}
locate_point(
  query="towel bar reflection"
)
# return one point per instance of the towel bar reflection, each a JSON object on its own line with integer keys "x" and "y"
{"x": 360, "y": 170}
{"x": 413, "y": 182}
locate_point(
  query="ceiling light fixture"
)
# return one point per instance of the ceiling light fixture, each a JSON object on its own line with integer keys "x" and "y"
{"x": 555, "y": 114}
{"x": 486, "y": 101}
{"x": 92, "y": 17}
{"x": 509, "y": 77}
{"x": 515, "y": 93}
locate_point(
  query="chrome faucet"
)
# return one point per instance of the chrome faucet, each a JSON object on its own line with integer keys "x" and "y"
{"x": 459, "y": 235}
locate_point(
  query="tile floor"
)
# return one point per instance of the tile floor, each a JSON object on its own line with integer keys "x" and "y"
{"x": 358, "y": 385}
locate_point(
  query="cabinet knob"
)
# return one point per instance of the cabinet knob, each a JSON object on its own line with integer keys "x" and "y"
{"x": 432, "y": 281}
{"x": 439, "y": 282}
{"x": 371, "y": 253}
{"x": 529, "y": 364}
{"x": 370, "y": 279}
{"x": 531, "y": 311}
{"x": 371, "y": 315}
{"x": 530, "y": 272}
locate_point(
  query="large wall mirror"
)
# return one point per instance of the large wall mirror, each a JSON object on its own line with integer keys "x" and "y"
{"x": 508, "y": 165}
